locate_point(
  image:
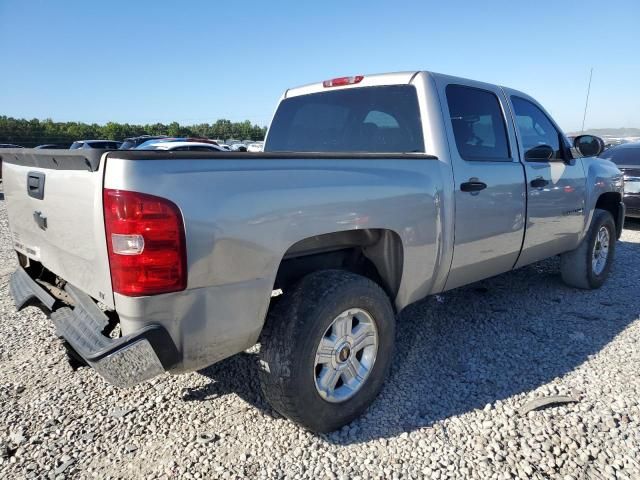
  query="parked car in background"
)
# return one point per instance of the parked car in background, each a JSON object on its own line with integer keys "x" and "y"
{"x": 101, "y": 144}
{"x": 627, "y": 157}
{"x": 144, "y": 145}
{"x": 51, "y": 146}
{"x": 255, "y": 147}
{"x": 201, "y": 140}
{"x": 312, "y": 247}
{"x": 132, "y": 142}
{"x": 238, "y": 147}
{"x": 611, "y": 141}
{"x": 184, "y": 147}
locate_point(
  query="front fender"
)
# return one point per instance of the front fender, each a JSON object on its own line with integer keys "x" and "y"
{"x": 602, "y": 176}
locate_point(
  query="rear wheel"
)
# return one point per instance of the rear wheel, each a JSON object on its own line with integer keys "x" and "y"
{"x": 326, "y": 349}
{"x": 588, "y": 266}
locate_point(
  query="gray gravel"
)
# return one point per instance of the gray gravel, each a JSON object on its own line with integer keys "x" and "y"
{"x": 467, "y": 363}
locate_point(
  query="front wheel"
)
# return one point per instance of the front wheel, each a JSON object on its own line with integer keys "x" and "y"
{"x": 588, "y": 266}
{"x": 326, "y": 349}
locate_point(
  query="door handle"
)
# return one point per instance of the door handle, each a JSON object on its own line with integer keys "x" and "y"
{"x": 40, "y": 220}
{"x": 472, "y": 186}
{"x": 539, "y": 182}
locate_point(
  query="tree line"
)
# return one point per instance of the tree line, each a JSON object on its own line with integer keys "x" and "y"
{"x": 30, "y": 133}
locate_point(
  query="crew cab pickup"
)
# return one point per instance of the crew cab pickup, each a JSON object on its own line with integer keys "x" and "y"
{"x": 372, "y": 192}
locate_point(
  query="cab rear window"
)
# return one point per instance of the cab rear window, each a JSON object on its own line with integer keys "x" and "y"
{"x": 382, "y": 119}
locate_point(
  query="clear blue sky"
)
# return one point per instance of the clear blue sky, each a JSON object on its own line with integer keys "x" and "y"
{"x": 197, "y": 61}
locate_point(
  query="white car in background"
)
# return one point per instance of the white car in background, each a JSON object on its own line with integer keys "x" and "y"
{"x": 238, "y": 147}
{"x": 255, "y": 147}
{"x": 101, "y": 144}
{"x": 184, "y": 147}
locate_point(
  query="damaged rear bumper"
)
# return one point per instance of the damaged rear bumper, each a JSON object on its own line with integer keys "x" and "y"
{"x": 123, "y": 361}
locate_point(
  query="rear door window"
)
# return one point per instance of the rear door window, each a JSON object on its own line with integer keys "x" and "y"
{"x": 478, "y": 124}
{"x": 369, "y": 119}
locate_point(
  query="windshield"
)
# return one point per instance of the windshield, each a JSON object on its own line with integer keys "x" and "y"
{"x": 371, "y": 119}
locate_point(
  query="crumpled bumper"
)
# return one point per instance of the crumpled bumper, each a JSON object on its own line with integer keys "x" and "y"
{"x": 123, "y": 361}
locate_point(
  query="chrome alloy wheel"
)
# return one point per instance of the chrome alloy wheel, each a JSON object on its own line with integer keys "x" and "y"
{"x": 600, "y": 251}
{"x": 346, "y": 355}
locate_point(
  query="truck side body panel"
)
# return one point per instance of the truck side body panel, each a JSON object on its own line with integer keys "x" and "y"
{"x": 602, "y": 177}
{"x": 241, "y": 217}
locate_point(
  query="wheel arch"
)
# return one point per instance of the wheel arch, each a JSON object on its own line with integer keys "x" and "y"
{"x": 611, "y": 202}
{"x": 375, "y": 253}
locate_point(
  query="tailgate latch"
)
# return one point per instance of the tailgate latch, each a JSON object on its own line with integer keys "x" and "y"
{"x": 40, "y": 220}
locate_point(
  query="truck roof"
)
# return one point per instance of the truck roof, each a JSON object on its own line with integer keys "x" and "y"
{"x": 372, "y": 80}
{"x": 366, "y": 81}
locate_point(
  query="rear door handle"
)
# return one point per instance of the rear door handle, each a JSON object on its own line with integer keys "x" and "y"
{"x": 473, "y": 186}
{"x": 539, "y": 182}
{"x": 40, "y": 220}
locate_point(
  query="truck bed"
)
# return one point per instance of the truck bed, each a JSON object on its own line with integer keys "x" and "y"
{"x": 242, "y": 212}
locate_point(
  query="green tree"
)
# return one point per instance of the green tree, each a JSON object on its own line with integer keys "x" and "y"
{"x": 30, "y": 133}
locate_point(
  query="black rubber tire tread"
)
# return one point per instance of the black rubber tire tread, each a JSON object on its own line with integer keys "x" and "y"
{"x": 288, "y": 345}
{"x": 575, "y": 266}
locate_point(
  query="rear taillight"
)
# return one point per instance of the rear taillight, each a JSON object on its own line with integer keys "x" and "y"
{"x": 342, "y": 81}
{"x": 146, "y": 243}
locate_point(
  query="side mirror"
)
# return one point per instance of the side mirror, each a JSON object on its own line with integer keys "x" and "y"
{"x": 588, "y": 145}
{"x": 539, "y": 153}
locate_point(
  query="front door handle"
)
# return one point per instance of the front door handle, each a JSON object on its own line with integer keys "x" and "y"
{"x": 539, "y": 182}
{"x": 472, "y": 186}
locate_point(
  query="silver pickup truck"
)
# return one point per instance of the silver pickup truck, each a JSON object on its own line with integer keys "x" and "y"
{"x": 372, "y": 193}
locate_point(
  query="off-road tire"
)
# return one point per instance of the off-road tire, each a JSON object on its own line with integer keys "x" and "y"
{"x": 292, "y": 334}
{"x": 576, "y": 265}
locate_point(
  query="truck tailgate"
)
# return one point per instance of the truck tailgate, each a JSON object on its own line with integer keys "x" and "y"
{"x": 54, "y": 203}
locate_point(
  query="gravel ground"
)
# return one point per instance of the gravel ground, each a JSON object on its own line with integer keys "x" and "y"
{"x": 466, "y": 364}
